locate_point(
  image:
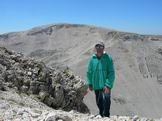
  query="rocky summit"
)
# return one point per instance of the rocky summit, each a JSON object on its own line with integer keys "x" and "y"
{"x": 59, "y": 90}
{"x": 30, "y": 91}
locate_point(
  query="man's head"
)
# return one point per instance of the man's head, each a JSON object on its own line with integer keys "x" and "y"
{"x": 99, "y": 47}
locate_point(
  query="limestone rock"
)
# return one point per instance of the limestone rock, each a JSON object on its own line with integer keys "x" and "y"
{"x": 58, "y": 89}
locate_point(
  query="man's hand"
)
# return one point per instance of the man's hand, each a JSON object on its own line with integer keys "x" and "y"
{"x": 106, "y": 89}
{"x": 90, "y": 87}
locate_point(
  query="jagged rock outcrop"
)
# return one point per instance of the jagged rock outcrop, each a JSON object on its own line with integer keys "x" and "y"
{"x": 57, "y": 89}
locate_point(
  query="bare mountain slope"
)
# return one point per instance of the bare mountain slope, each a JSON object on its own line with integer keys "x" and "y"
{"x": 137, "y": 58}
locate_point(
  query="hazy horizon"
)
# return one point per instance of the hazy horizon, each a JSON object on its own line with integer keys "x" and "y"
{"x": 139, "y": 16}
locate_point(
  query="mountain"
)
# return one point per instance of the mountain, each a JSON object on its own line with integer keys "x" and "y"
{"x": 137, "y": 59}
{"x": 31, "y": 91}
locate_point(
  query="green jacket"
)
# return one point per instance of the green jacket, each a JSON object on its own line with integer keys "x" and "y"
{"x": 100, "y": 72}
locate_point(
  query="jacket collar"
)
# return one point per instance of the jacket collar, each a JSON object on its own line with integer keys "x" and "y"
{"x": 94, "y": 55}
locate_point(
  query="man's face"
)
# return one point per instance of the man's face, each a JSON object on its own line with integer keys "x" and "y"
{"x": 99, "y": 49}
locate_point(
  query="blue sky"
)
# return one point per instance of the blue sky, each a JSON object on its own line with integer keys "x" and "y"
{"x": 140, "y": 16}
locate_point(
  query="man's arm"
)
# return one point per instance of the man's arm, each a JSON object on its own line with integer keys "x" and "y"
{"x": 111, "y": 74}
{"x": 89, "y": 74}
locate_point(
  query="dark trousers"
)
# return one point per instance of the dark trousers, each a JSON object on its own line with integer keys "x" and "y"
{"x": 103, "y": 101}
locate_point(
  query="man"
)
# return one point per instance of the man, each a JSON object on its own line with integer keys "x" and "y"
{"x": 100, "y": 78}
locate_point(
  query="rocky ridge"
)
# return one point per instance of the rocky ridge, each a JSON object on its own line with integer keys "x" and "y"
{"x": 57, "y": 89}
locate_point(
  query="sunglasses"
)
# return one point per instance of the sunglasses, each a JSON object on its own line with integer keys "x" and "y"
{"x": 99, "y": 47}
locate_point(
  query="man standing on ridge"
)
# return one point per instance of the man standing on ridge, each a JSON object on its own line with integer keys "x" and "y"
{"x": 100, "y": 78}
